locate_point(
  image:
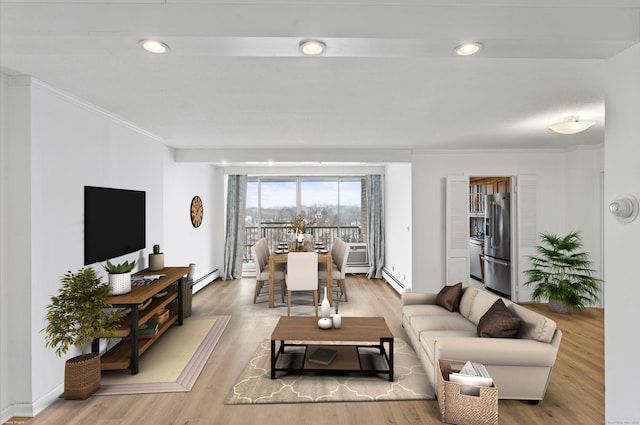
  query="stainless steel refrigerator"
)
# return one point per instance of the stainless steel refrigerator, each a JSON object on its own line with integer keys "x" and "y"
{"x": 497, "y": 243}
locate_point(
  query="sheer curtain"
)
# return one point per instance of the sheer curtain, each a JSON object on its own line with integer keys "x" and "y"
{"x": 235, "y": 230}
{"x": 375, "y": 223}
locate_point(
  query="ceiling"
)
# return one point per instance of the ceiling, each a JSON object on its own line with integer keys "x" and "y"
{"x": 234, "y": 80}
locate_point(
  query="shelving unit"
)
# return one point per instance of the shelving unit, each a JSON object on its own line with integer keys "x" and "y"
{"x": 125, "y": 354}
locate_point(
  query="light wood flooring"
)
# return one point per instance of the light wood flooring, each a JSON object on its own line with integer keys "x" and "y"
{"x": 575, "y": 394}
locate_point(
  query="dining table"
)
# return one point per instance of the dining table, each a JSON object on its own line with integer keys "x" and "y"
{"x": 280, "y": 255}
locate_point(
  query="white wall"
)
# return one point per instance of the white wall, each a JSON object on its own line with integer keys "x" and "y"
{"x": 55, "y": 145}
{"x": 622, "y": 250}
{"x": 430, "y": 169}
{"x": 398, "y": 223}
{"x": 184, "y": 244}
{"x": 15, "y": 256}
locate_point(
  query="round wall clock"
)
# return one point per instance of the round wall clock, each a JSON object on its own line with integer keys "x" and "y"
{"x": 196, "y": 211}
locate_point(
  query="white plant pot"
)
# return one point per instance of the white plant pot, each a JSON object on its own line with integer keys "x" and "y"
{"x": 120, "y": 283}
{"x": 156, "y": 262}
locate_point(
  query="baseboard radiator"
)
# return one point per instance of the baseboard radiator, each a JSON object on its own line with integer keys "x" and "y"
{"x": 393, "y": 281}
{"x": 203, "y": 281}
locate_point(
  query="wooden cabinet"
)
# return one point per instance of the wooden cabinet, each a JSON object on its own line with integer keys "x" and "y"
{"x": 480, "y": 186}
{"x": 476, "y": 197}
{"x": 161, "y": 292}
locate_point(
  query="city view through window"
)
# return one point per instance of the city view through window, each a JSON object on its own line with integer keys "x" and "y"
{"x": 332, "y": 206}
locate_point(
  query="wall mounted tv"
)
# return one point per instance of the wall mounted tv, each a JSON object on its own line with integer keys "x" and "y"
{"x": 114, "y": 222}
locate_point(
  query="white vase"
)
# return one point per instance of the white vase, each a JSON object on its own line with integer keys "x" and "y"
{"x": 337, "y": 321}
{"x": 119, "y": 283}
{"x": 325, "y": 323}
{"x": 325, "y": 308}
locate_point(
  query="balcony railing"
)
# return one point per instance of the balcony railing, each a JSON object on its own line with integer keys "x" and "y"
{"x": 277, "y": 232}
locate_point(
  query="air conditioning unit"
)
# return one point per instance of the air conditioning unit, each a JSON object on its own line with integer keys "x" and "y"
{"x": 357, "y": 255}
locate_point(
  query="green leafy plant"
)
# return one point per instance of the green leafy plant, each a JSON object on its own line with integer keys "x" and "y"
{"x": 79, "y": 313}
{"x": 562, "y": 272}
{"x": 119, "y": 268}
{"x": 156, "y": 249}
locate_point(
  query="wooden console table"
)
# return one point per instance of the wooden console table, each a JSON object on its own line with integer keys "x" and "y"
{"x": 125, "y": 354}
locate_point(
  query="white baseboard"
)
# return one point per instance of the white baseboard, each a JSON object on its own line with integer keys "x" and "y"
{"x": 355, "y": 269}
{"x": 205, "y": 280}
{"x": 394, "y": 282}
{"x": 29, "y": 410}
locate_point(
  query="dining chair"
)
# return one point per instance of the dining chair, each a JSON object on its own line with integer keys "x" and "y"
{"x": 262, "y": 272}
{"x": 302, "y": 275}
{"x": 339, "y": 254}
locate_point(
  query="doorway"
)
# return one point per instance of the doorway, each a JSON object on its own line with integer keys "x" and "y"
{"x": 490, "y": 233}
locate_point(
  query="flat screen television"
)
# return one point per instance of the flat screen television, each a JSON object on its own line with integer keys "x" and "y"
{"x": 114, "y": 222}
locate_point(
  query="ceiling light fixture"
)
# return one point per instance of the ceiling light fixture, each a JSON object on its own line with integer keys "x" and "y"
{"x": 467, "y": 49}
{"x": 154, "y": 46}
{"x": 571, "y": 125}
{"x": 312, "y": 47}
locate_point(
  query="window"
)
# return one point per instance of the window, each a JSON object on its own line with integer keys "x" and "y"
{"x": 278, "y": 200}
{"x": 333, "y": 206}
{"x": 319, "y": 201}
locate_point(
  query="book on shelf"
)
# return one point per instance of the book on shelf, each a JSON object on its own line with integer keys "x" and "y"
{"x": 144, "y": 280}
{"x": 323, "y": 356}
{"x": 148, "y": 330}
{"x": 471, "y": 377}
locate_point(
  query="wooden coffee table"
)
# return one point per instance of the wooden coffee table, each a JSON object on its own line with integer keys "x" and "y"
{"x": 351, "y": 357}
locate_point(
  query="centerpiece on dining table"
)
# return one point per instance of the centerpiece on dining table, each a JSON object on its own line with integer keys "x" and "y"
{"x": 298, "y": 227}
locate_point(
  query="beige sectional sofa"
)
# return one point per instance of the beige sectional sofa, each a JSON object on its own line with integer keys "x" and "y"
{"x": 520, "y": 366}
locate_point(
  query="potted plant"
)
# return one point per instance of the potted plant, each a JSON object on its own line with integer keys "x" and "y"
{"x": 120, "y": 276}
{"x": 562, "y": 274}
{"x": 156, "y": 260}
{"x": 75, "y": 317}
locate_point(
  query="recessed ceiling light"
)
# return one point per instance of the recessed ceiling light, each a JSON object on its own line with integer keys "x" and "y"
{"x": 154, "y": 46}
{"x": 467, "y": 49}
{"x": 312, "y": 47}
{"x": 571, "y": 125}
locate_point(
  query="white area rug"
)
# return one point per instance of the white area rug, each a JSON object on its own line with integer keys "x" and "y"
{"x": 255, "y": 386}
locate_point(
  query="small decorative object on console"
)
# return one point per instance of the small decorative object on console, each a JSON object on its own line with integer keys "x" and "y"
{"x": 120, "y": 276}
{"x": 156, "y": 260}
{"x": 337, "y": 319}
{"x": 323, "y": 356}
{"x": 325, "y": 323}
{"x": 325, "y": 307}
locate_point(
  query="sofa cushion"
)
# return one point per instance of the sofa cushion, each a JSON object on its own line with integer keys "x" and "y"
{"x": 440, "y": 323}
{"x": 449, "y": 296}
{"x": 428, "y": 340}
{"x": 466, "y": 301}
{"x": 499, "y": 322}
{"x": 411, "y": 311}
{"x": 534, "y": 325}
{"x": 481, "y": 303}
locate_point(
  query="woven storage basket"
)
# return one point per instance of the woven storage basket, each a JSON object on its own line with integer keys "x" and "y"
{"x": 461, "y": 409}
{"x": 160, "y": 318}
{"x": 81, "y": 376}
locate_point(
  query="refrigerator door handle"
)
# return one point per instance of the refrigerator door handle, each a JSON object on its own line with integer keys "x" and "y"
{"x": 495, "y": 260}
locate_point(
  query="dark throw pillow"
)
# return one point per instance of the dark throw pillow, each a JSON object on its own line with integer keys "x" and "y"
{"x": 499, "y": 322}
{"x": 449, "y": 297}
